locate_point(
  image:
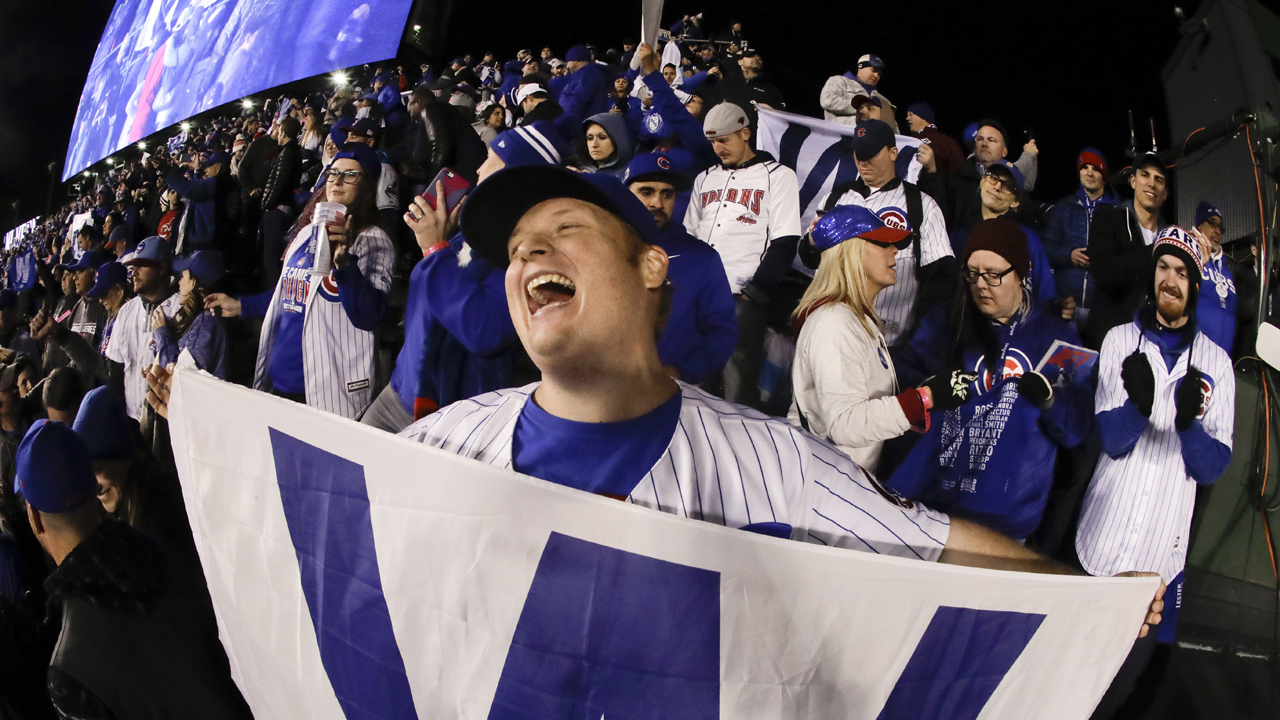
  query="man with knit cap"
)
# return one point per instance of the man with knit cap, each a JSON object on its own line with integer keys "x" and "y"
{"x": 1165, "y": 409}
{"x": 1228, "y": 312}
{"x": 1066, "y": 234}
{"x": 586, "y": 92}
{"x": 990, "y": 457}
{"x": 921, "y": 121}
{"x": 138, "y": 637}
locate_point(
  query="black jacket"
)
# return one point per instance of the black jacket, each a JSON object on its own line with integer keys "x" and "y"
{"x": 139, "y": 638}
{"x": 442, "y": 138}
{"x": 1119, "y": 269}
{"x": 283, "y": 179}
{"x": 957, "y": 195}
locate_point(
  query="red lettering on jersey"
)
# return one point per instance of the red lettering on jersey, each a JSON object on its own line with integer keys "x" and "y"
{"x": 756, "y": 198}
{"x": 731, "y": 195}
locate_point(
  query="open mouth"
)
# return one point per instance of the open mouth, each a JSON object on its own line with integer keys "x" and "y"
{"x": 549, "y": 290}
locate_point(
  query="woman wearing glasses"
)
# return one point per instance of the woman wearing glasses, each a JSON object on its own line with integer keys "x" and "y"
{"x": 990, "y": 458}
{"x": 317, "y": 343}
{"x": 844, "y": 384}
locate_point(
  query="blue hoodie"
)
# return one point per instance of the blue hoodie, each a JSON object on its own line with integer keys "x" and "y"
{"x": 1067, "y": 228}
{"x": 702, "y": 329}
{"x": 991, "y": 461}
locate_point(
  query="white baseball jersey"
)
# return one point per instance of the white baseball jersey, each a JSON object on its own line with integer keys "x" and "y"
{"x": 727, "y": 464}
{"x": 896, "y": 305}
{"x": 1137, "y": 511}
{"x": 133, "y": 346}
{"x": 337, "y": 357}
{"x": 388, "y": 188}
{"x": 739, "y": 211}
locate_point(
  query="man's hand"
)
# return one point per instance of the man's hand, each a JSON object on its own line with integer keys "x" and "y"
{"x": 924, "y": 154}
{"x": 1068, "y": 308}
{"x": 1187, "y": 400}
{"x": 1139, "y": 381}
{"x": 1157, "y": 604}
{"x": 1030, "y": 148}
{"x": 158, "y": 380}
{"x": 716, "y": 71}
{"x": 1080, "y": 257}
{"x": 432, "y": 227}
{"x": 227, "y": 305}
{"x": 43, "y": 326}
{"x": 340, "y": 242}
{"x": 1206, "y": 247}
{"x": 648, "y": 58}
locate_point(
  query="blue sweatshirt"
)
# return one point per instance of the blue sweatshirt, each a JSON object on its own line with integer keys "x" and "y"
{"x": 702, "y": 329}
{"x": 992, "y": 460}
{"x": 458, "y": 336}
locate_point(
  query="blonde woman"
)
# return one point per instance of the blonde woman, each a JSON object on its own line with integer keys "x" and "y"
{"x": 845, "y": 388}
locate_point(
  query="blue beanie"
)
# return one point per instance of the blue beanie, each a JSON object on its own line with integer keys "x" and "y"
{"x": 1204, "y": 211}
{"x": 925, "y": 111}
{"x": 578, "y": 53}
{"x": 538, "y": 144}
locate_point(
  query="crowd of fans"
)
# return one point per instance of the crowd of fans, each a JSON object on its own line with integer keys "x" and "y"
{"x": 311, "y": 248}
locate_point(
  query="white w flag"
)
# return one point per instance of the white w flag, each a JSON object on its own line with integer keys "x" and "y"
{"x": 821, "y": 153}
{"x": 360, "y": 575}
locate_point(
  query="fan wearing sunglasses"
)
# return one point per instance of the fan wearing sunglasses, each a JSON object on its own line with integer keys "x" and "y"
{"x": 989, "y": 458}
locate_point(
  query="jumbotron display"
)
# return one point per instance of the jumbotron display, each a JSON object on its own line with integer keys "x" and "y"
{"x": 161, "y": 61}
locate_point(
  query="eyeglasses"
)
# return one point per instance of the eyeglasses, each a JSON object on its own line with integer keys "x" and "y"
{"x": 1005, "y": 186}
{"x": 993, "y": 278}
{"x": 338, "y": 177}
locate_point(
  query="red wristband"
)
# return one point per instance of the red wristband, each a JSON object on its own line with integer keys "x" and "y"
{"x": 435, "y": 248}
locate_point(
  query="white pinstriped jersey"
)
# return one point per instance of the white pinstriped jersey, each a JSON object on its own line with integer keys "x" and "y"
{"x": 1137, "y": 511}
{"x": 739, "y": 211}
{"x": 131, "y": 345}
{"x": 337, "y": 357}
{"x": 726, "y": 464}
{"x": 896, "y": 305}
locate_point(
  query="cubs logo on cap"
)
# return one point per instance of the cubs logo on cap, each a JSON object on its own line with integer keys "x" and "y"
{"x": 894, "y": 217}
{"x": 860, "y": 132}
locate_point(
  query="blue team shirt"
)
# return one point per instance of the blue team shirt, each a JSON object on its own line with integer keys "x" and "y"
{"x": 286, "y": 351}
{"x": 600, "y": 458}
{"x": 1217, "y": 304}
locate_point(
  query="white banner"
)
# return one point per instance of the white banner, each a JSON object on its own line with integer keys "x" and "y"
{"x": 356, "y": 574}
{"x": 820, "y": 153}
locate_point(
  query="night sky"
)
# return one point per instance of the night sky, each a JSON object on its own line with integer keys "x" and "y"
{"x": 1069, "y": 71}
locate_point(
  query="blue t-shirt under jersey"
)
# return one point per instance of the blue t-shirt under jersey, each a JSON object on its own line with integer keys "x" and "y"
{"x": 601, "y": 458}
{"x": 286, "y": 350}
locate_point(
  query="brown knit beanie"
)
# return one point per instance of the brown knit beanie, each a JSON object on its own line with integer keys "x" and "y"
{"x": 1002, "y": 237}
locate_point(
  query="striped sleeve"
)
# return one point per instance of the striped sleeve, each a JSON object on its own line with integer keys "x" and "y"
{"x": 934, "y": 241}
{"x": 1111, "y": 393}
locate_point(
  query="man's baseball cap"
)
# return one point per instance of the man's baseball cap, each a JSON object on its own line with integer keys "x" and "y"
{"x": 152, "y": 251}
{"x": 110, "y": 274}
{"x": 368, "y": 96}
{"x": 860, "y": 100}
{"x": 1151, "y": 160}
{"x": 54, "y": 473}
{"x": 219, "y": 157}
{"x": 497, "y": 204}
{"x": 870, "y": 137}
{"x": 527, "y": 89}
{"x": 556, "y": 62}
{"x": 1007, "y": 172}
{"x": 1206, "y": 210}
{"x": 91, "y": 260}
{"x": 870, "y": 61}
{"x": 105, "y": 426}
{"x": 656, "y": 166}
{"x": 338, "y": 133}
{"x": 207, "y": 265}
{"x": 725, "y": 118}
{"x": 364, "y": 127}
{"x": 845, "y": 222}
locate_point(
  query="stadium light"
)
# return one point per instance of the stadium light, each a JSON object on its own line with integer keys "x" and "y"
{"x": 142, "y": 145}
{"x": 416, "y": 28}
{"x": 185, "y": 126}
{"x": 247, "y": 104}
{"x": 340, "y": 79}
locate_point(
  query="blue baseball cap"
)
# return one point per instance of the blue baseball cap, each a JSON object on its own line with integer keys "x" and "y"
{"x": 338, "y": 133}
{"x": 845, "y": 222}
{"x": 54, "y": 472}
{"x": 207, "y": 265}
{"x": 364, "y": 127}
{"x": 656, "y": 166}
{"x": 1204, "y": 211}
{"x": 872, "y": 136}
{"x": 154, "y": 250}
{"x": 1014, "y": 173}
{"x": 364, "y": 155}
{"x": 369, "y": 96}
{"x": 218, "y": 157}
{"x": 109, "y": 275}
{"x": 105, "y": 426}
{"x": 498, "y": 203}
{"x": 91, "y": 260}
{"x": 870, "y": 61}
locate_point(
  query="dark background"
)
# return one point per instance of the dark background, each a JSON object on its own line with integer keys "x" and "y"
{"x": 1068, "y": 71}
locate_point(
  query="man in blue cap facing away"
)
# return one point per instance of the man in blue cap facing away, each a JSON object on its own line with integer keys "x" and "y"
{"x": 702, "y": 329}
{"x": 1228, "y": 309}
{"x": 205, "y": 224}
{"x": 127, "y": 602}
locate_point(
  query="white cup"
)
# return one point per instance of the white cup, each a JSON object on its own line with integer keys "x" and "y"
{"x": 330, "y": 213}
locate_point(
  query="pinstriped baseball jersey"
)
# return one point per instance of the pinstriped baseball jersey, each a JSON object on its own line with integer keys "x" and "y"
{"x": 1137, "y": 511}
{"x": 131, "y": 345}
{"x": 739, "y": 211}
{"x": 726, "y": 464}
{"x": 337, "y": 357}
{"x": 896, "y": 305}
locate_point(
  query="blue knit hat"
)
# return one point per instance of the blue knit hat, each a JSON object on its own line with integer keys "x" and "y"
{"x": 578, "y": 53}
{"x": 1204, "y": 211}
{"x": 538, "y": 144}
{"x": 924, "y": 111}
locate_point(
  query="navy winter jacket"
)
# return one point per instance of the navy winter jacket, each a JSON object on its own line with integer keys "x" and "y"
{"x": 702, "y": 329}
{"x": 1067, "y": 228}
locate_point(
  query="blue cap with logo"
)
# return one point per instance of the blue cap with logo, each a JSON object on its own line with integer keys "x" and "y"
{"x": 109, "y": 275}
{"x": 656, "y": 166}
{"x": 870, "y": 61}
{"x": 54, "y": 472}
{"x": 91, "y": 260}
{"x": 338, "y": 133}
{"x": 105, "y": 426}
{"x": 498, "y": 203}
{"x": 872, "y": 136}
{"x": 154, "y": 250}
{"x": 207, "y": 265}
{"x": 845, "y": 222}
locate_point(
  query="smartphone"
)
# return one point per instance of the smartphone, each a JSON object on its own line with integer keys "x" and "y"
{"x": 1028, "y": 136}
{"x": 455, "y": 188}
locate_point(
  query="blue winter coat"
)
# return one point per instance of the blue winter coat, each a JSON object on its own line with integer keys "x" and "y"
{"x": 204, "y": 339}
{"x": 991, "y": 461}
{"x": 587, "y": 91}
{"x": 1067, "y": 228}
{"x": 702, "y": 329}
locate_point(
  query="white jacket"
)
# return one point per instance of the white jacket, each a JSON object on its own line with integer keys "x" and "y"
{"x": 837, "y": 102}
{"x": 337, "y": 357}
{"x": 844, "y": 382}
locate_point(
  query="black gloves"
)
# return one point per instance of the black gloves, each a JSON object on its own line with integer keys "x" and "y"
{"x": 1036, "y": 389}
{"x": 950, "y": 390}
{"x": 1187, "y": 400}
{"x": 1139, "y": 381}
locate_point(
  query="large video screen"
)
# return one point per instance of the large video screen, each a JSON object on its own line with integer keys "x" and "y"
{"x": 161, "y": 61}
